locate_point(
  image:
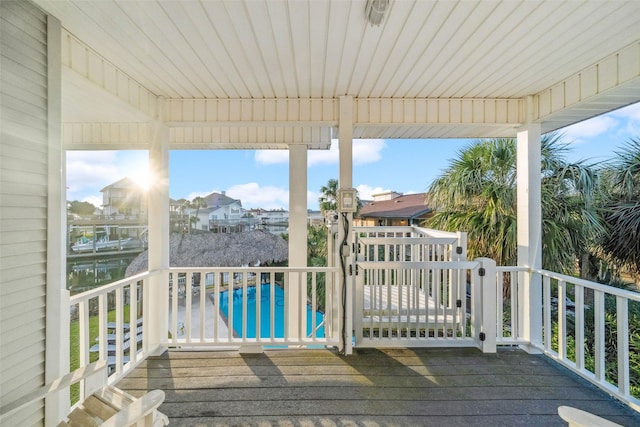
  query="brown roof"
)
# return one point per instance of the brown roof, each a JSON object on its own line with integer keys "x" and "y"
{"x": 409, "y": 206}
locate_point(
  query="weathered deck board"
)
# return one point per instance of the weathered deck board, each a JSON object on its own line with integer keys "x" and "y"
{"x": 391, "y": 387}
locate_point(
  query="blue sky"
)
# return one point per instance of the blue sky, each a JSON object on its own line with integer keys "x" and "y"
{"x": 260, "y": 178}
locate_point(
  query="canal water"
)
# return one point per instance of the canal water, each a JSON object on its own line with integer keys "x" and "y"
{"x": 86, "y": 273}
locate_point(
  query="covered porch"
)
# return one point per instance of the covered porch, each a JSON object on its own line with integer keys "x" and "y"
{"x": 372, "y": 387}
{"x": 294, "y": 75}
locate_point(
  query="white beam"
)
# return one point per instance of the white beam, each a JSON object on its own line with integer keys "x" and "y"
{"x": 529, "y": 235}
{"x": 90, "y": 77}
{"x": 610, "y": 83}
{"x": 250, "y": 135}
{"x": 108, "y": 136}
{"x": 326, "y": 112}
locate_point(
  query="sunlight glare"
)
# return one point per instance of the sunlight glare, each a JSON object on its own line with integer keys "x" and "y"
{"x": 141, "y": 176}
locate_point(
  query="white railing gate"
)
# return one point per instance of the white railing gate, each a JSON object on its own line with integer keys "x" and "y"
{"x": 413, "y": 290}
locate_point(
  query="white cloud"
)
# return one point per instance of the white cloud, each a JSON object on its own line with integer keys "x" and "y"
{"x": 271, "y": 157}
{"x": 632, "y": 116}
{"x": 312, "y": 200}
{"x": 252, "y": 195}
{"x": 89, "y": 170}
{"x": 631, "y": 112}
{"x": 364, "y": 151}
{"x": 366, "y": 192}
{"x": 591, "y": 128}
{"x": 367, "y": 150}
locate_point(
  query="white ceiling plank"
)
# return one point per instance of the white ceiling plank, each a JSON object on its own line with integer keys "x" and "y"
{"x": 279, "y": 16}
{"x": 496, "y": 24}
{"x": 337, "y": 34}
{"x": 299, "y": 21}
{"x": 572, "y": 54}
{"x": 122, "y": 42}
{"x": 218, "y": 60}
{"x": 252, "y": 25}
{"x": 423, "y": 49}
{"x": 262, "y": 28}
{"x": 451, "y": 61}
{"x": 382, "y": 57}
{"x": 465, "y": 22}
{"x": 318, "y": 45}
{"x": 524, "y": 35}
{"x": 179, "y": 15}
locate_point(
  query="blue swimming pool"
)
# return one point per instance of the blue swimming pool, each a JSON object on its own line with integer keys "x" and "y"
{"x": 265, "y": 320}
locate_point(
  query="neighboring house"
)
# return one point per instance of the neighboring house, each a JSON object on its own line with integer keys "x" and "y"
{"x": 221, "y": 210}
{"x": 124, "y": 199}
{"x": 178, "y": 217}
{"x": 314, "y": 217}
{"x": 274, "y": 216}
{"x": 391, "y": 208}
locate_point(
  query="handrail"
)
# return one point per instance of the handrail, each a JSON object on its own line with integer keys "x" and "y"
{"x": 200, "y": 314}
{"x": 87, "y": 295}
{"x": 635, "y": 296}
{"x": 61, "y": 383}
{"x": 560, "y": 349}
{"x": 253, "y": 269}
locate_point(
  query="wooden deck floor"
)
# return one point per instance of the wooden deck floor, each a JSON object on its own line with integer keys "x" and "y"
{"x": 392, "y": 387}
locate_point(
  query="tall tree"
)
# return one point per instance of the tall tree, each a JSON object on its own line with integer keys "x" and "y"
{"x": 329, "y": 197}
{"x": 81, "y": 208}
{"x": 621, "y": 211}
{"x": 197, "y": 203}
{"x": 477, "y": 194}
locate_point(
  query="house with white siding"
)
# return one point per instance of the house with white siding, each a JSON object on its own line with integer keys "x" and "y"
{"x": 287, "y": 75}
{"x": 124, "y": 199}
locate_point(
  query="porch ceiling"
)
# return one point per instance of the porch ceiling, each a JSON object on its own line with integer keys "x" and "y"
{"x": 441, "y": 69}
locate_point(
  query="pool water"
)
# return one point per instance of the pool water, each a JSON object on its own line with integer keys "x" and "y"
{"x": 265, "y": 320}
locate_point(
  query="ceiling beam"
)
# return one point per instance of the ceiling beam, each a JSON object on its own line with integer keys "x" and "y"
{"x": 608, "y": 84}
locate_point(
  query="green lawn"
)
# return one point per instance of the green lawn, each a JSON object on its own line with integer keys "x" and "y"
{"x": 74, "y": 342}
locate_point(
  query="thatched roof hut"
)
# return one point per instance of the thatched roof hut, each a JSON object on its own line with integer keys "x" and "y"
{"x": 219, "y": 250}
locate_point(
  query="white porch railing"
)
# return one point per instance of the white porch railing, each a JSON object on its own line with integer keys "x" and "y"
{"x": 202, "y": 311}
{"x": 508, "y": 311}
{"x": 410, "y": 244}
{"x": 104, "y": 332}
{"x": 589, "y": 334}
{"x": 412, "y": 287}
{"x": 425, "y": 304}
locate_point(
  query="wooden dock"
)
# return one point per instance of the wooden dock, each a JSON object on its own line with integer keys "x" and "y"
{"x": 390, "y": 387}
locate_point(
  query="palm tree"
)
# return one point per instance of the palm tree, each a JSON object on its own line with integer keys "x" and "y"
{"x": 329, "y": 197}
{"x": 196, "y": 203}
{"x": 477, "y": 194}
{"x": 621, "y": 211}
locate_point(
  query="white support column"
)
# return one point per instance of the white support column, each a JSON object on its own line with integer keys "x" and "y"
{"x": 297, "y": 238}
{"x": 57, "y": 321}
{"x": 345, "y": 135}
{"x": 156, "y": 307}
{"x": 529, "y": 214}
